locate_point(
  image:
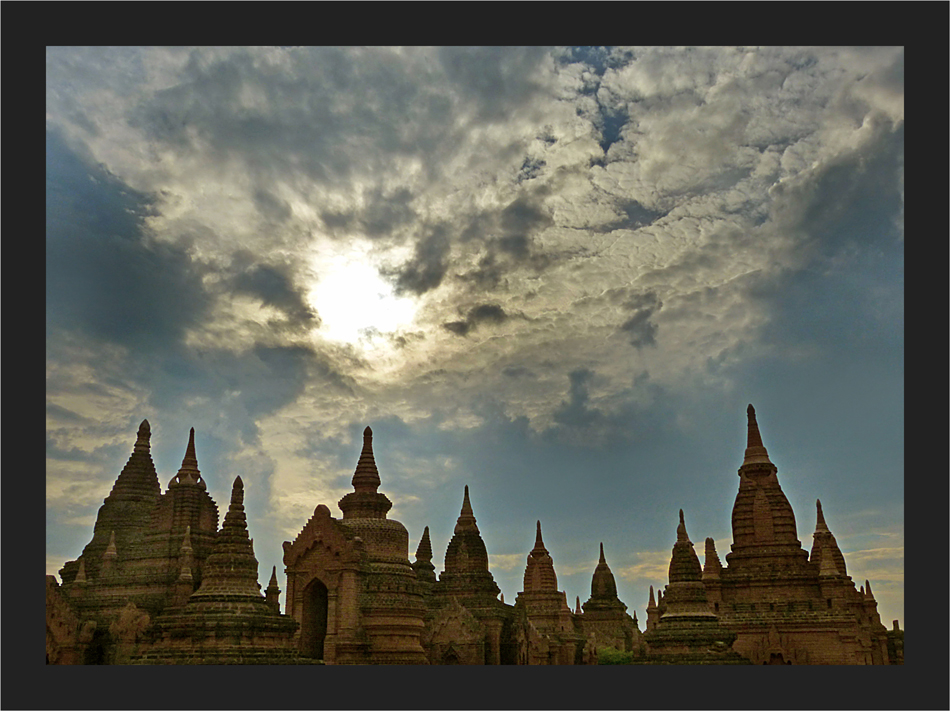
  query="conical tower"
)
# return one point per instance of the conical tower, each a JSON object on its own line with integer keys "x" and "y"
{"x": 688, "y": 632}
{"x": 189, "y": 474}
{"x": 365, "y": 501}
{"x": 539, "y": 575}
{"x": 125, "y": 512}
{"x": 763, "y": 524}
{"x": 392, "y": 607}
{"x": 823, "y": 541}
{"x": 543, "y": 609}
{"x": 227, "y": 620}
{"x": 605, "y": 615}
{"x": 425, "y": 571}
{"x": 466, "y": 559}
{"x": 230, "y": 571}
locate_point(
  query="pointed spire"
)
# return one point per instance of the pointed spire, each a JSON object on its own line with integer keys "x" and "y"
{"x": 235, "y": 520}
{"x": 867, "y": 590}
{"x": 81, "y": 573}
{"x": 603, "y": 587}
{"x": 577, "y": 606}
{"x": 712, "y": 567}
{"x": 142, "y": 439}
{"x": 820, "y": 525}
{"x": 424, "y": 551}
{"x": 423, "y": 565}
{"x": 189, "y": 472}
{"x": 138, "y": 480}
{"x": 755, "y": 452}
{"x": 602, "y": 559}
{"x": 503, "y": 597}
{"x": 652, "y": 603}
{"x": 231, "y": 568}
{"x": 684, "y": 564}
{"x": 366, "y": 476}
{"x": 272, "y": 593}
{"x": 538, "y": 543}
{"x": 539, "y": 574}
{"x": 466, "y": 520}
{"x": 365, "y": 501}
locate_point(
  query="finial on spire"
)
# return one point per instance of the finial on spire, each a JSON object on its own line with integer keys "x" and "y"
{"x": 143, "y": 437}
{"x": 681, "y": 530}
{"x": 577, "y": 606}
{"x": 820, "y": 525}
{"x": 652, "y": 602}
{"x": 237, "y": 492}
{"x": 424, "y": 551}
{"x": 466, "y": 519}
{"x": 602, "y": 559}
{"x": 755, "y": 452}
{"x": 867, "y": 590}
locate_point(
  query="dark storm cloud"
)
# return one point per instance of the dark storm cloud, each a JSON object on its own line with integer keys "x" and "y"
{"x": 104, "y": 276}
{"x": 575, "y": 413}
{"x": 846, "y": 292}
{"x": 335, "y": 114}
{"x": 274, "y": 286}
{"x": 271, "y": 207}
{"x": 483, "y": 313}
{"x": 496, "y": 79}
{"x": 507, "y": 236}
{"x": 639, "y": 327}
{"x": 383, "y": 213}
{"x": 427, "y": 267}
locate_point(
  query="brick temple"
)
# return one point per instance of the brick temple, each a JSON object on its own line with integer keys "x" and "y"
{"x": 160, "y": 583}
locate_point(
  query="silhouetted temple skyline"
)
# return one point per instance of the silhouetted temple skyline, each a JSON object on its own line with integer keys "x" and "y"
{"x": 159, "y": 583}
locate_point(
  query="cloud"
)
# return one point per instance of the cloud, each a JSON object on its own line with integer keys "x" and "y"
{"x": 477, "y": 315}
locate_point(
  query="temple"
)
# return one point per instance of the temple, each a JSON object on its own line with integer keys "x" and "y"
{"x": 159, "y": 583}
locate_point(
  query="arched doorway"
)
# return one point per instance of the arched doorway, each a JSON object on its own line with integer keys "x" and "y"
{"x": 313, "y": 627}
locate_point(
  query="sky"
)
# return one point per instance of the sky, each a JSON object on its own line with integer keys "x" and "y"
{"x": 555, "y": 275}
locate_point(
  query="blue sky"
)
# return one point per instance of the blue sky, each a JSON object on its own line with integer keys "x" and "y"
{"x": 555, "y": 275}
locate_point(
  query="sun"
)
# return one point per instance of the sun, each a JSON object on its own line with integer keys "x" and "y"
{"x": 355, "y": 304}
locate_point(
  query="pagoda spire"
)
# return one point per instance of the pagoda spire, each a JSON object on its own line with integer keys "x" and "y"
{"x": 824, "y": 545}
{"x": 684, "y": 564}
{"x": 424, "y": 550}
{"x": 820, "y": 525}
{"x": 365, "y": 501}
{"x": 603, "y": 589}
{"x": 423, "y": 565}
{"x": 755, "y": 453}
{"x": 712, "y": 567}
{"x": 466, "y": 519}
{"x": 366, "y": 476}
{"x": 230, "y": 570}
{"x": 539, "y": 574}
{"x": 538, "y": 543}
{"x": 272, "y": 592}
{"x": 652, "y": 602}
{"x": 138, "y": 480}
{"x": 189, "y": 472}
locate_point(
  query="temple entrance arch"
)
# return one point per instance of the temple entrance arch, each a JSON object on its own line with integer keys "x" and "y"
{"x": 313, "y": 626}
